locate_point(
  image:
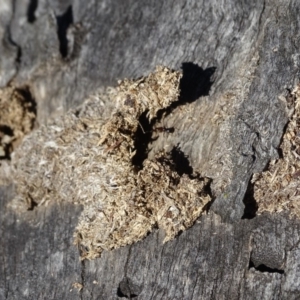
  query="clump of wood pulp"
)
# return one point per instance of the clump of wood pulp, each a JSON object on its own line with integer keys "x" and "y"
{"x": 278, "y": 188}
{"x": 84, "y": 159}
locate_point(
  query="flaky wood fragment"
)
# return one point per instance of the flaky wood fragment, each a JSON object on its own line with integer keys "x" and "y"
{"x": 278, "y": 188}
{"x": 85, "y": 159}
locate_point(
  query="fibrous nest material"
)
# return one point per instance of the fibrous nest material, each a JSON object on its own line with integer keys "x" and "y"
{"x": 17, "y": 116}
{"x": 83, "y": 158}
{"x": 278, "y": 188}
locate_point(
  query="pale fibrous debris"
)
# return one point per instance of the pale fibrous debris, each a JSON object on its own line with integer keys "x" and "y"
{"x": 77, "y": 286}
{"x": 86, "y": 159}
{"x": 278, "y": 188}
{"x": 156, "y": 196}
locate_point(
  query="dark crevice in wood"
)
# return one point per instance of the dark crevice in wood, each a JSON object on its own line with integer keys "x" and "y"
{"x": 128, "y": 289}
{"x": 141, "y": 141}
{"x": 33, "y": 204}
{"x": 63, "y": 23}
{"x": 208, "y": 191}
{"x": 29, "y": 99}
{"x": 250, "y": 203}
{"x": 181, "y": 162}
{"x": 33, "y": 4}
{"x": 6, "y": 130}
{"x": 280, "y": 153}
{"x": 265, "y": 269}
{"x": 19, "y": 54}
{"x": 195, "y": 82}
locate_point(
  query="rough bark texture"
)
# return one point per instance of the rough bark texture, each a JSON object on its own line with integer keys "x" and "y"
{"x": 239, "y": 60}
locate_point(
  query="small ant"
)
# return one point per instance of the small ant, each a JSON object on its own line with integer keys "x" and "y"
{"x": 164, "y": 129}
{"x": 159, "y": 129}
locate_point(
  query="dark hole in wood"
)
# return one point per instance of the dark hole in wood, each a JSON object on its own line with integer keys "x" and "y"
{"x": 264, "y": 269}
{"x": 127, "y": 289}
{"x": 28, "y": 97}
{"x": 33, "y": 204}
{"x": 207, "y": 190}
{"x": 141, "y": 141}
{"x": 181, "y": 162}
{"x": 77, "y": 112}
{"x": 33, "y": 4}
{"x": 250, "y": 203}
{"x": 195, "y": 82}
{"x": 121, "y": 295}
{"x": 63, "y": 23}
{"x": 279, "y": 150}
{"x": 280, "y": 153}
{"x": 6, "y": 130}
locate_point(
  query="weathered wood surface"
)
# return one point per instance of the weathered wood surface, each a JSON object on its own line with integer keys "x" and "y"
{"x": 237, "y": 57}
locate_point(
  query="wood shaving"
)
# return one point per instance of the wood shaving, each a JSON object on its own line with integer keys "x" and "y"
{"x": 85, "y": 159}
{"x": 278, "y": 188}
{"x": 77, "y": 286}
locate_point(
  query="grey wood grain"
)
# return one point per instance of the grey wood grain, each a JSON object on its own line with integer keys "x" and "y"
{"x": 249, "y": 49}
